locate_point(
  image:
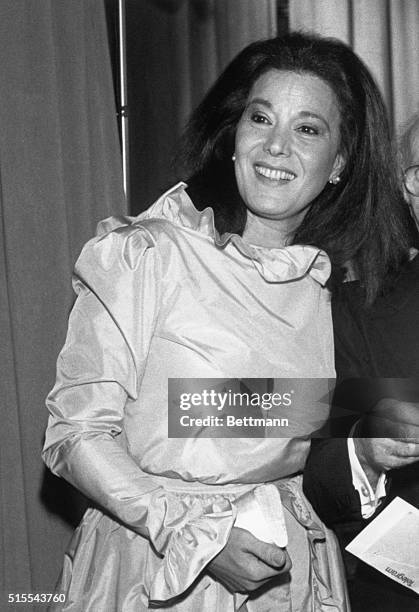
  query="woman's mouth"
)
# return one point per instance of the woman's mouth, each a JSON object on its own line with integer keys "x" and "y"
{"x": 275, "y": 174}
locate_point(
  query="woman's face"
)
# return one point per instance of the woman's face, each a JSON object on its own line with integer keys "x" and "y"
{"x": 287, "y": 144}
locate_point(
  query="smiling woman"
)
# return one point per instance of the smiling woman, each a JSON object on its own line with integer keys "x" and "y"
{"x": 226, "y": 277}
{"x": 286, "y": 150}
{"x": 352, "y": 206}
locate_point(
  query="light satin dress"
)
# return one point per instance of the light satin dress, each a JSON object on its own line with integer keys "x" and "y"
{"x": 164, "y": 296}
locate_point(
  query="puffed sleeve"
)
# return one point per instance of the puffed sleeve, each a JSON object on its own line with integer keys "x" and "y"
{"x": 118, "y": 282}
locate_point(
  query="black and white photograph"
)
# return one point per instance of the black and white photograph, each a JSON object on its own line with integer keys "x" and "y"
{"x": 209, "y": 305}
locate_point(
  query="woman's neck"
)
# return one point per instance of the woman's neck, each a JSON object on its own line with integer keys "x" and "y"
{"x": 269, "y": 233}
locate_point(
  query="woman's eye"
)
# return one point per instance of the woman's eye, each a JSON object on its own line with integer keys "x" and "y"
{"x": 308, "y": 129}
{"x": 259, "y": 118}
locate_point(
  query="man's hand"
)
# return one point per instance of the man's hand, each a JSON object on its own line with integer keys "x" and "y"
{"x": 388, "y": 437}
{"x": 377, "y": 455}
{"x": 246, "y": 563}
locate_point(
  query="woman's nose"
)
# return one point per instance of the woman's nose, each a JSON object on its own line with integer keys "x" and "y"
{"x": 277, "y": 143}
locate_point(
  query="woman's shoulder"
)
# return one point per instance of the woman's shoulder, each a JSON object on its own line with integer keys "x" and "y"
{"x": 117, "y": 244}
{"x": 164, "y": 221}
{"x": 124, "y": 242}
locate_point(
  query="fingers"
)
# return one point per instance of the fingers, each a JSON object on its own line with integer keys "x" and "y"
{"x": 387, "y": 428}
{"x": 396, "y": 462}
{"x": 391, "y": 418}
{"x": 246, "y": 563}
{"x": 270, "y": 554}
{"x": 270, "y": 560}
{"x": 247, "y": 576}
{"x": 401, "y": 452}
{"x": 259, "y": 572}
{"x": 287, "y": 564}
{"x": 386, "y": 453}
{"x": 406, "y": 448}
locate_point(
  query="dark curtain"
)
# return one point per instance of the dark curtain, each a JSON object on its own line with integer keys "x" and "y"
{"x": 60, "y": 173}
{"x": 175, "y": 51}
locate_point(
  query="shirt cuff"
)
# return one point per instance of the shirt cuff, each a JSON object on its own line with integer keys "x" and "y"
{"x": 369, "y": 499}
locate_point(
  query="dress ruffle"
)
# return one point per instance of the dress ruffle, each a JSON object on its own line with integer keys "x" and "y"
{"x": 199, "y": 527}
{"x": 187, "y": 531}
{"x": 275, "y": 265}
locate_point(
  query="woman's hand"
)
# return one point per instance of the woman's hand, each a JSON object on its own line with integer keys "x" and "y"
{"x": 246, "y": 563}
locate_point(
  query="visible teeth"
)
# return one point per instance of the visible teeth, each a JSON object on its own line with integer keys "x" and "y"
{"x": 275, "y": 175}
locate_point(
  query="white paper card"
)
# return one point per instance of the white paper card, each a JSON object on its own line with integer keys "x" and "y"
{"x": 390, "y": 543}
{"x": 261, "y": 513}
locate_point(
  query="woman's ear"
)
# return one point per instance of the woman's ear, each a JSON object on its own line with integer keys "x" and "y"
{"x": 337, "y": 169}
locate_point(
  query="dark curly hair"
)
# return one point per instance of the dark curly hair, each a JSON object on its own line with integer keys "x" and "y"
{"x": 363, "y": 219}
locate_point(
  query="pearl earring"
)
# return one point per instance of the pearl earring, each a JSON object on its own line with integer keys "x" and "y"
{"x": 334, "y": 181}
{"x": 233, "y": 157}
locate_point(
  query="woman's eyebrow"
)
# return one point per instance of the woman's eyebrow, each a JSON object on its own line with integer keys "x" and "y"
{"x": 261, "y": 101}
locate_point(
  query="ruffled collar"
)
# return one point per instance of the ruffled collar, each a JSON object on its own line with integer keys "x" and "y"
{"x": 275, "y": 265}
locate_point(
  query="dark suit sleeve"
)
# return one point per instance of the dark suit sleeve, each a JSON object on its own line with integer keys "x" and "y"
{"x": 327, "y": 478}
{"x": 327, "y": 482}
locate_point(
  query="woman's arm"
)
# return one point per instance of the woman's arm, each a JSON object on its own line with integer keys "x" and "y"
{"x": 98, "y": 374}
